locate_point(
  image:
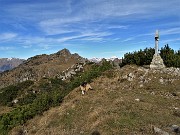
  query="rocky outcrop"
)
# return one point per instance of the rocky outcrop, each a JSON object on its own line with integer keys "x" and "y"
{"x": 117, "y": 62}
{"x": 129, "y": 77}
{"x": 73, "y": 70}
{"x": 171, "y": 71}
{"x": 142, "y": 77}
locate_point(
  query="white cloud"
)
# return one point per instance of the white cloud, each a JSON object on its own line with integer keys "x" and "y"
{"x": 27, "y": 46}
{"x": 49, "y": 42}
{"x": 38, "y": 10}
{"x": 85, "y": 36}
{"x": 67, "y": 11}
{"x": 45, "y": 46}
{"x": 129, "y": 9}
{"x": 57, "y": 17}
{"x": 56, "y": 31}
{"x": 93, "y": 39}
{"x": 128, "y": 39}
{"x": 7, "y": 36}
{"x": 4, "y": 48}
{"x": 58, "y": 21}
{"x": 170, "y": 40}
{"x": 57, "y": 25}
{"x": 170, "y": 31}
{"x": 118, "y": 27}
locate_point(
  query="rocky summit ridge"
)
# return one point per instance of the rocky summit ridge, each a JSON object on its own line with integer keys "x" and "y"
{"x": 41, "y": 66}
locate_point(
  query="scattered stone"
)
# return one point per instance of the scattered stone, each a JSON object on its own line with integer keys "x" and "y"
{"x": 174, "y": 94}
{"x": 175, "y": 128}
{"x": 25, "y": 132}
{"x": 71, "y": 71}
{"x": 141, "y": 85}
{"x": 159, "y": 131}
{"x": 176, "y": 108}
{"x": 141, "y": 78}
{"x": 172, "y": 71}
{"x": 176, "y": 112}
{"x": 161, "y": 80}
{"x": 137, "y": 99}
{"x": 95, "y": 133}
{"x": 15, "y": 101}
{"x": 130, "y": 77}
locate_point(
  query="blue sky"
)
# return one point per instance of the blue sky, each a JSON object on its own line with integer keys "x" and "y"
{"x": 91, "y": 28}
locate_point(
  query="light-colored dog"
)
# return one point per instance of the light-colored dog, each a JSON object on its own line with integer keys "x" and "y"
{"x": 85, "y": 87}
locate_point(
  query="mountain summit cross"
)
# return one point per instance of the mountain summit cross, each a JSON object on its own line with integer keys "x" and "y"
{"x": 157, "y": 61}
{"x": 156, "y": 42}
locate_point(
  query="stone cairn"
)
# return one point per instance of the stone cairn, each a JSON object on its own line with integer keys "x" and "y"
{"x": 157, "y": 61}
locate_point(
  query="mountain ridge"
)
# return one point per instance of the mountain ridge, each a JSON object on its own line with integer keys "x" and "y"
{"x": 40, "y": 66}
{"x": 52, "y": 65}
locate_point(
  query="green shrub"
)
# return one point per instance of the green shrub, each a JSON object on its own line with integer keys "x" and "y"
{"x": 9, "y": 93}
{"x": 27, "y": 99}
{"x": 170, "y": 57}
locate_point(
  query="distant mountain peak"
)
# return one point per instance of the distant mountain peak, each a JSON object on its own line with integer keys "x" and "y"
{"x": 64, "y": 52}
{"x": 97, "y": 60}
{"x": 9, "y": 63}
{"x": 10, "y": 58}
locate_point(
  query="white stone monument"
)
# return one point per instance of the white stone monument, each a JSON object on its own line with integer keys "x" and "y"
{"x": 157, "y": 61}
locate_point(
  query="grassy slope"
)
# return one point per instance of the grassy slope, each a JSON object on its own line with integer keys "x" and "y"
{"x": 111, "y": 107}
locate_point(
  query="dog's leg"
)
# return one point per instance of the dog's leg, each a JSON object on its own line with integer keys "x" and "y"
{"x": 83, "y": 92}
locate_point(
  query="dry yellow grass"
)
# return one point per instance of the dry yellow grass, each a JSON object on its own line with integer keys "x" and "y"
{"x": 4, "y": 109}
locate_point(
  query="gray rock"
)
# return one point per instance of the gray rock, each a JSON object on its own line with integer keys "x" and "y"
{"x": 130, "y": 77}
{"x": 15, "y": 101}
{"x": 116, "y": 62}
{"x": 161, "y": 80}
{"x": 141, "y": 85}
{"x": 72, "y": 72}
{"x": 125, "y": 77}
{"x": 175, "y": 128}
{"x": 159, "y": 131}
{"x": 137, "y": 99}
